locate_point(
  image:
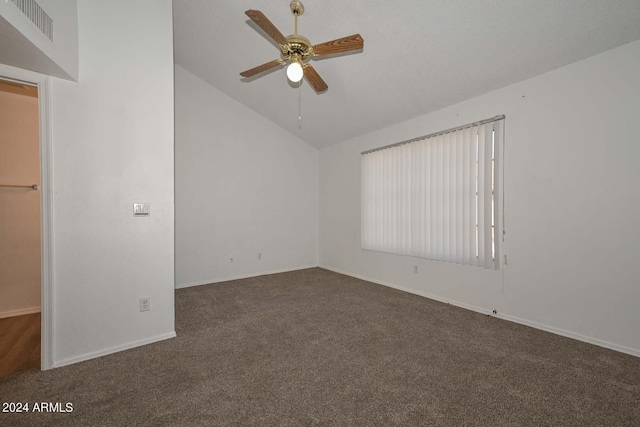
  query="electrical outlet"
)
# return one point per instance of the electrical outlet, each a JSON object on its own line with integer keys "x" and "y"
{"x": 259, "y": 256}
{"x": 415, "y": 269}
{"x": 145, "y": 304}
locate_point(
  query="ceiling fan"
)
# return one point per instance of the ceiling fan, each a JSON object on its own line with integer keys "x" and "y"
{"x": 297, "y": 49}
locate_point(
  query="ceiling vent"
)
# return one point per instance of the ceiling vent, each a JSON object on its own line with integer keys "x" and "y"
{"x": 37, "y": 15}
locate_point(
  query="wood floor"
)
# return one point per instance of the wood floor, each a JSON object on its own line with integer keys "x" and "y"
{"x": 19, "y": 344}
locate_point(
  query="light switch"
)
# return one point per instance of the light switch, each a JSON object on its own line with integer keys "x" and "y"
{"x": 141, "y": 209}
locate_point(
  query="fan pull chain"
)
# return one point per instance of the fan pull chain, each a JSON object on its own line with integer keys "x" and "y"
{"x": 300, "y": 104}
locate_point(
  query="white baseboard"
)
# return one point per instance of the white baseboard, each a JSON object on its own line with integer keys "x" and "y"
{"x": 412, "y": 291}
{"x": 515, "y": 319}
{"x": 569, "y": 334}
{"x": 246, "y": 276}
{"x": 20, "y": 312}
{"x": 111, "y": 350}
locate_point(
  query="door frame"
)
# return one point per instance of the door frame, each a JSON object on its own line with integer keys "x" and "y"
{"x": 43, "y": 83}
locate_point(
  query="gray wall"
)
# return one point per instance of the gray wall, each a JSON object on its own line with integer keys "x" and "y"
{"x": 571, "y": 213}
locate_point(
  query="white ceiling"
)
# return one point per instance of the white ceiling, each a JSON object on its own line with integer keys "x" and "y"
{"x": 419, "y": 55}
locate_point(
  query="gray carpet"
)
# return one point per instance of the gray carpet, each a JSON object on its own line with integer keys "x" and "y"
{"x": 314, "y": 347}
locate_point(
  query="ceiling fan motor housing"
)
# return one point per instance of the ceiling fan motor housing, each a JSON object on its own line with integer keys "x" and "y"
{"x": 298, "y": 47}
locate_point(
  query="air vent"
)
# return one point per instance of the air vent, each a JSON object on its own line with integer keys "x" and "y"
{"x": 39, "y": 17}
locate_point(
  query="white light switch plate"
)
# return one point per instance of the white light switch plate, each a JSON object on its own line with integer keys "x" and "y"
{"x": 141, "y": 209}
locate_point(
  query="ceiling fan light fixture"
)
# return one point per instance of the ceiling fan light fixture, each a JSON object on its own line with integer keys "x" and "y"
{"x": 296, "y": 49}
{"x": 294, "y": 72}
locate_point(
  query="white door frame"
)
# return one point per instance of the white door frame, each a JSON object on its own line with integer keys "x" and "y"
{"x": 43, "y": 83}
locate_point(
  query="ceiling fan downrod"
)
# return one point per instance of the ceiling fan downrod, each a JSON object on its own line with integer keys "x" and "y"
{"x": 297, "y": 9}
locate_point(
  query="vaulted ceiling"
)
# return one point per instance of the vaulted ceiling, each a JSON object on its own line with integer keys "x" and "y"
{"x": 419, "y": 55}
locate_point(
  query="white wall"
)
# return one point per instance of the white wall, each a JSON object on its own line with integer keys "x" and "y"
{"x": 572, "y": 205}
{"x": 19, "y": 208}
{"x": 25, "y": 46}
{"x": 244, "y": 186}
{"x": 113, "y": 146}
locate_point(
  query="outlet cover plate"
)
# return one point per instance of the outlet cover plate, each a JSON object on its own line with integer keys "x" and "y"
{"x": 145, "y": 304}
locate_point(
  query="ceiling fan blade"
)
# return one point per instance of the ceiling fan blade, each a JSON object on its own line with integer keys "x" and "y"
{"x": 268, "y": 27}
{"x": 314, "y": 79}
{"x": 261, "y": 68}
{"x": 344, "y": 44}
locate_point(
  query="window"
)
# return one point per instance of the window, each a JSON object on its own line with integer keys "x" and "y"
{"x": 438, "y": 196}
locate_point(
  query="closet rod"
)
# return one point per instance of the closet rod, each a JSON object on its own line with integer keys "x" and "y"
{"x": 33, "y": 187}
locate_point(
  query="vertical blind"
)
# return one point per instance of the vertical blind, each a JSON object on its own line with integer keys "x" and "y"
{"x": 438, "y": 197}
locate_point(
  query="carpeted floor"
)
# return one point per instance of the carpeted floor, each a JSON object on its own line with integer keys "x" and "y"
{"x": 314, "y": 347}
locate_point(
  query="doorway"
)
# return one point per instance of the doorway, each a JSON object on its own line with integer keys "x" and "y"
{"x": 20, "y": 228}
